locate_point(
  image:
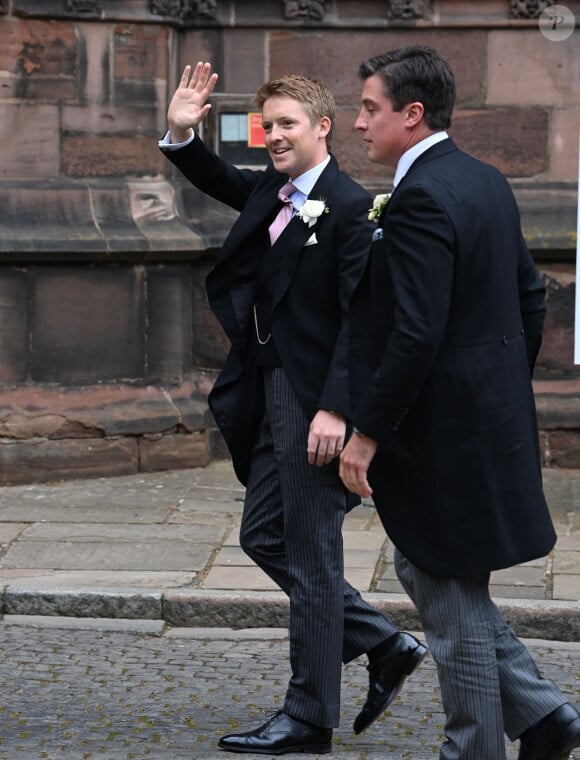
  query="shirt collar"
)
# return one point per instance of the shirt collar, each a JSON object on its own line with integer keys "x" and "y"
{"x": 305, "y": 182}
{"x": 411, "y": 155}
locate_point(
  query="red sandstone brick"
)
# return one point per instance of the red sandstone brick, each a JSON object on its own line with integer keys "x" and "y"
{"x": 349, "y": 150}
{"x": 168, "y": 452}
{"x": 74, "y": 315}
{"x": 30, "y": 135}
{"x": 525, "y": 68}
{"x": 42, "y": 460}
{"x": 33, "y": 46}
{"x": 104, "y": 410}
{"x": 513, "y": 140}
{"x": 195, "y": 45}
{"x": 563, "y": 146}
{"x": 106, "y": 120}
{"x": 210, "y": 344}
{"x": 140, "y": 51}
{"x": 556, "y": 357}
{"x": 481, "y": 12}
{"x": 562, "y": 448}
{"x": 13, "y": 326}
{"x": 244, "y": 67}
{"x": 334, "y": 56}
{"x": 96, "y": 156}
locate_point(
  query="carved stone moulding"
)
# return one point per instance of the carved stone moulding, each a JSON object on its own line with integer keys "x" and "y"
{"x": 186, "y": 10}
{"x": 528, "y": 8}
{"x": 297, "y": 9}
{"x": 404, "y": 10}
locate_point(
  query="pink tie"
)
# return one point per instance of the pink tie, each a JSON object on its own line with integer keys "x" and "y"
{"x": 285, "y": 213}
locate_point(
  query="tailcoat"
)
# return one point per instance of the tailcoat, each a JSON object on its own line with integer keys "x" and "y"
{"x": 446, "y": 324}
{"x": 313, "y": 271}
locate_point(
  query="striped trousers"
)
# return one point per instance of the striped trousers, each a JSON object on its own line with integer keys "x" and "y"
{"x": 292, "y": 528}
{"x": 489, "y": 681}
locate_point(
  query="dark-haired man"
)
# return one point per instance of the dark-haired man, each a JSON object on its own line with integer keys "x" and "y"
{"x": 445, "y": 328}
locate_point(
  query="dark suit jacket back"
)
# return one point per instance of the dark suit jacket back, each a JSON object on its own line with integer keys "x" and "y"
{"x": 446, "y": 325}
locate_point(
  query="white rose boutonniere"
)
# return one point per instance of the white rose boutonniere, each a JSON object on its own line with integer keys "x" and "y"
{"x": 311, "y": 210}
{"x": 379, "y": 203}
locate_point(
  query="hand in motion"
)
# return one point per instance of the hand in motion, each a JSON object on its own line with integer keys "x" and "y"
{"x": 326, "y": 437}
{"x": 188, "y": 105}
{"x": 354, "y": 464}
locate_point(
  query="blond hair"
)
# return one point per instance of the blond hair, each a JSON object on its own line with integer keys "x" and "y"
{"x": 316, "y": 98}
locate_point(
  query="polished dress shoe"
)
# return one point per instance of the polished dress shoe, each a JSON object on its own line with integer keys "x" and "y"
{"x": 387, "y": 673}
{"x": 282, "y": 733}
{"x": 554, "y": 737}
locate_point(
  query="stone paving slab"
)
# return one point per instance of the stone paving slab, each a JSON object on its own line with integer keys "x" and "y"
{"x": 177, "y": 532}
{"x": 96, "y": 579}
{"x": 124, "y": 625}
{"x": 83, "y": 532}
{"x": 109, "y": 555}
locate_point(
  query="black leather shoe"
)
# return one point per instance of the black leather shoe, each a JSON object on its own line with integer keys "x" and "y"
{"x": 554, "y": 737}
{"x": 280, "y": 734}
{"x": 387, "y": 674}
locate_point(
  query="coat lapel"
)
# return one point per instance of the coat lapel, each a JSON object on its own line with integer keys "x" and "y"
{"x": 291, "y": 242}
{"x": 229, "y": 283}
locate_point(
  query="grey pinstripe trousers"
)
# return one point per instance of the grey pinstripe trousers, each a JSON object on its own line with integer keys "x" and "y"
{"x": 489, "y": 681}
{"x": 291, "y": 527}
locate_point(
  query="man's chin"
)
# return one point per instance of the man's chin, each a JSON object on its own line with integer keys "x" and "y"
{"x": 280, "y": 166}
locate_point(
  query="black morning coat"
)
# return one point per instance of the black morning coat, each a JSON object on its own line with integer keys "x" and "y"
{"x": 311, "y": 290}
{"x": 445, "y": 328}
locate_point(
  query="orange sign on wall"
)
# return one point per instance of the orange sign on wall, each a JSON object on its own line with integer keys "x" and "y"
{"x": 256, "y": 138}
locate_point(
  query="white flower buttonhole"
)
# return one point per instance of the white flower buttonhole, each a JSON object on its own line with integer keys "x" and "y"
{"x": 311, "y": 210}
{"x": 379, "y": 203}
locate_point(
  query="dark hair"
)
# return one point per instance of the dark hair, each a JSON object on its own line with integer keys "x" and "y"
{"x": 316, "y": 98}
{"x": 416, "y": 73}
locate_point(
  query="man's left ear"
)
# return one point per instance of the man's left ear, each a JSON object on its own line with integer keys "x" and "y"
{"x": 415, "y": 113}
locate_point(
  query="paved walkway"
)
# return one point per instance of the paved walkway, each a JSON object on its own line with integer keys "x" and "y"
{"x": 164, "y": 546}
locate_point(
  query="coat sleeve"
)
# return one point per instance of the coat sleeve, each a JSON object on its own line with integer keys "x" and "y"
{"x": 212, "y": 175}
{"x": 419, "y": 251}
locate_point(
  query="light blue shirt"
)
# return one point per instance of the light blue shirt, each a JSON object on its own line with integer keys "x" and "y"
{"x": 411, "y": 155}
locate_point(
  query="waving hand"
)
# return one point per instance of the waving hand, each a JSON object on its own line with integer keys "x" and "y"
{"x": 188, "y": 106}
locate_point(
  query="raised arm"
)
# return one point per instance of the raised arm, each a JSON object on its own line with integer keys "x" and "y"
{"x": 188, "y": 106}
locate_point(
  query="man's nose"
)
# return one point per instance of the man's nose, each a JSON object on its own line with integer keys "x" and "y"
{"x": 275, "y": 133}
{"x": 360, "y": 122}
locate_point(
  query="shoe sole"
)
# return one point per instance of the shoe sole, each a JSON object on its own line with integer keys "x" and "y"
{"x": 315, "y": 749}
{"x": 415, "y": 659}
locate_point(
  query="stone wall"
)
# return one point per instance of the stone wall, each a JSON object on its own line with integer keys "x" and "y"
{"x": 107, "y": 347}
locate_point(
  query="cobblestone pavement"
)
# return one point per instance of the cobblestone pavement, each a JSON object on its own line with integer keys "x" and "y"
{"x": 145, "y": 692}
